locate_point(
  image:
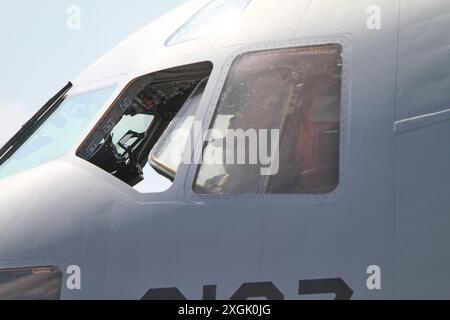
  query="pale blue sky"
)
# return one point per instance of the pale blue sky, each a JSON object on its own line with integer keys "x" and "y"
{"x": 39, "y": 54}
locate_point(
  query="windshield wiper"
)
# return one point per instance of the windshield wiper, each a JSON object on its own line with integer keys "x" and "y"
{"x": 28, "y": 128}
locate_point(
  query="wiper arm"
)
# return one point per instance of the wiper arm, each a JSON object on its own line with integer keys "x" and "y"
{"x": 27, "y": 128}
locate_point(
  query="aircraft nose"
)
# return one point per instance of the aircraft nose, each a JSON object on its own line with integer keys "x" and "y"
{"x": 33, "y": 222}
{"x": 12, "y": 196}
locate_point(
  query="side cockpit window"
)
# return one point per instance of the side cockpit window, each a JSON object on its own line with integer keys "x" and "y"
{"x": 151, "y": 105}
{"x": 277, "y": 125}
{"x": 167, "y": 155}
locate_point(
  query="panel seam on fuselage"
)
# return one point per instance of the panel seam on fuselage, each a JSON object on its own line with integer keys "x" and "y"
{"x": 421, "y": 121}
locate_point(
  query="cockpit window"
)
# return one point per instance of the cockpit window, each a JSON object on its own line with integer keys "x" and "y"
{"x": 137, "y": 123}
{"x": 58, "y": 133}
{"x": 167, "y": 154}
{"x": 215, "y": 17}
{"x": 277, "y": 125}
{"x": 150, "y": 108}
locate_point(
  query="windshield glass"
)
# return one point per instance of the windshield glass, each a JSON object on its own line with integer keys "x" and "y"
{"x": 58, "y": 133}
{"x": 167, "y": 154}
{"x": 214, "y": 18}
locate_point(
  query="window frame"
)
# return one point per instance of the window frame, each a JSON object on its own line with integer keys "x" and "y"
{"x": 208, "y": 120}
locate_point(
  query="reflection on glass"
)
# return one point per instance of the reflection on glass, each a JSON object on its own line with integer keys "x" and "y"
{"x": 43, "y": 283}
{"x": 58, "y": 133}
{"x": 212, "y": 19}
{"x": 297, "y": 93}
{"x": 168, "y": 152}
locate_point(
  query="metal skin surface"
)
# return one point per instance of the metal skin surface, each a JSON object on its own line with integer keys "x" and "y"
{"x": 391, "y": 208}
